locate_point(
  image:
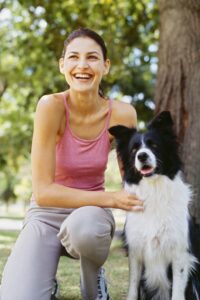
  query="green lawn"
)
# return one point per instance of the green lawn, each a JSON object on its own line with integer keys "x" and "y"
{"x": 68, "y": 270}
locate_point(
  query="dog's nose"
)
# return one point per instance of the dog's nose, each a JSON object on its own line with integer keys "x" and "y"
{"x": 142, "y": 156}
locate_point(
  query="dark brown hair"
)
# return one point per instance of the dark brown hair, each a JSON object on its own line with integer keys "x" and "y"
{"x": 86, "y": 32}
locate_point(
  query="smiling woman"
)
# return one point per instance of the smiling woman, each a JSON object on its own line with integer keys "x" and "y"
{"x": 84, "y": 69}
{"x": 86, "y": 59}
{"x": 70, "y": 210}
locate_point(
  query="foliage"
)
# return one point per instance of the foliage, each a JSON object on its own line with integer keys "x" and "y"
{"x": 32, "y": 34}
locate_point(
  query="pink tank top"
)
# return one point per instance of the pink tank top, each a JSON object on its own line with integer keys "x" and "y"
{"x": 81, "y": 163}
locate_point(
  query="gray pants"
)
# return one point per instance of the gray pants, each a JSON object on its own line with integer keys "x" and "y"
{"x": 85, "y": 233}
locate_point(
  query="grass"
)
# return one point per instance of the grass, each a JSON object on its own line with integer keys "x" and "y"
{"x": 68, "y": 270}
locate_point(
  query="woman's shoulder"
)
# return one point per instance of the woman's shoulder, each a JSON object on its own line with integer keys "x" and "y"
{"x": 50, "y": 111}
{"x": 51, "y": 102}
{"x": 124, "y": 114}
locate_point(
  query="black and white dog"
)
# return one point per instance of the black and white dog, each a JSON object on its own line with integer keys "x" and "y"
{"x": 163, "y": 257}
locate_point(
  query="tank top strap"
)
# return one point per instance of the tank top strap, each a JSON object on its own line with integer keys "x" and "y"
{"x": 66, "y": 106}
{"x": 109, "y": 113}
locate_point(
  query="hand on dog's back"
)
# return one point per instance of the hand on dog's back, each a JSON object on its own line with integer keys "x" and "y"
{"x": 126, "y": 201}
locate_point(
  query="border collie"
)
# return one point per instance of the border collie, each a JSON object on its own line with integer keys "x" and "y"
{"x": 163, "y": 258}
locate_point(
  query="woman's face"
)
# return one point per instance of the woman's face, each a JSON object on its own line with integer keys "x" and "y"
{"x": 83, "y": 65}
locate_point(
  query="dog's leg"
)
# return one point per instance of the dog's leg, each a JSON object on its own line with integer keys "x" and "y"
{"x": 135, "y": 270}
{"x": 181, "y": 268}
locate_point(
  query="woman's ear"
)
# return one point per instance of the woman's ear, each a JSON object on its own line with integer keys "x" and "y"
{"x": 106, "y": 66}
{"x": 61, "y": 65}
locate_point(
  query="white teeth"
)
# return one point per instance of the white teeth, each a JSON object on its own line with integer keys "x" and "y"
{"x": 84, "y": 76}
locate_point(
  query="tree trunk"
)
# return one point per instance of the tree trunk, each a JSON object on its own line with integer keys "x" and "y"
{"x": 178, "y": 82}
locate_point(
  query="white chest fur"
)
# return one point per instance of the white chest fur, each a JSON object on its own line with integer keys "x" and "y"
{"x": 158, "y": 237}
{"x": 163, "y": 226}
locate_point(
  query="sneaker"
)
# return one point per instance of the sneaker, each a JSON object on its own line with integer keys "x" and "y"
{"x": 55, "y": 294}
{"x": 102, "y": 286}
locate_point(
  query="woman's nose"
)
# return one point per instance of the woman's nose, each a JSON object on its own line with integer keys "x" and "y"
{"x": 82, "y": 63}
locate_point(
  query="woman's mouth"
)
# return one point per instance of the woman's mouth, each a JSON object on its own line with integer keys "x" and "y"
{"x": 82, "y": 76}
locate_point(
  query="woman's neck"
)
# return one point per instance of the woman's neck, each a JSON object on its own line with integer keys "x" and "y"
{"x": 84, "y": 103}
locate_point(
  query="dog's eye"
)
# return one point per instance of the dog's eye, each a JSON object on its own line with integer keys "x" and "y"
{"x": 154, "y": 146}
{"x": 151, "y": 144}
{"x": 135, "y": 147}
{"x": 134, "y": 150}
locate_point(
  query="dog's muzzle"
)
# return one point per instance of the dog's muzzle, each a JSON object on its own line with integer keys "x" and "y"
{"x": 145, "y": 162}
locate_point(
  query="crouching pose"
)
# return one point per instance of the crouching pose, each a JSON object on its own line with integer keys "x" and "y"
{"x": 69, "y": 208}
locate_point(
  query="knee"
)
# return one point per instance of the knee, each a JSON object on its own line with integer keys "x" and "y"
{"x": 92, "y": 243}
{"x": 86, "y": 236}
{"x": 90, "y": 237}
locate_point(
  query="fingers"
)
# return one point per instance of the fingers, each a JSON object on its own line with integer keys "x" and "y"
{"x": 129, "y": 202}
{"x": 134, "y": 204}
{"x": 137, "y": 208}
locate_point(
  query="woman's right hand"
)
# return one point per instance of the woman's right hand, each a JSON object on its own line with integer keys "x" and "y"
{"x": 126, "y": 201}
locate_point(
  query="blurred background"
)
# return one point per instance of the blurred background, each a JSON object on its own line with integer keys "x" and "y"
{"x": 32, "y": 35}
{"x": 154, "y": 48}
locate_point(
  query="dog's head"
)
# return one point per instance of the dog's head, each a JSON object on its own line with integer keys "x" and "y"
{"x": 149, "y": 153}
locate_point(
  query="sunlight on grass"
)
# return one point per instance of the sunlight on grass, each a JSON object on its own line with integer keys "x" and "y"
{"x": 5, "y": 239}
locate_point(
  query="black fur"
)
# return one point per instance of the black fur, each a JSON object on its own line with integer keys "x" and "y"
{"x": 162, "y": 141}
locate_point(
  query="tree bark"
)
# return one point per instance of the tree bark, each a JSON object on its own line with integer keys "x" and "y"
{"x": 178, "y": 82}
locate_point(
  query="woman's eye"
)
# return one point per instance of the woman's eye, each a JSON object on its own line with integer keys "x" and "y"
{"x": 92, "y": 57}
{"x": 73, "y": 57}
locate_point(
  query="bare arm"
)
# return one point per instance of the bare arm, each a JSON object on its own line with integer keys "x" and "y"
{"x": 125, "y": 114}
{"x": 48, "y": 193}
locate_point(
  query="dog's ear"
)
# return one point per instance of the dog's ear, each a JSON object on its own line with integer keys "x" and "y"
{"x": 121, "y": 132}
{"x": 162, "y": 121}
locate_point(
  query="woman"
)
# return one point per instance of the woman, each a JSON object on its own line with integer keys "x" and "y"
{"x": 69, "y": 207}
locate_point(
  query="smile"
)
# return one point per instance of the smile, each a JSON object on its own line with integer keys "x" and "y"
{"x": 82, "y": 76}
